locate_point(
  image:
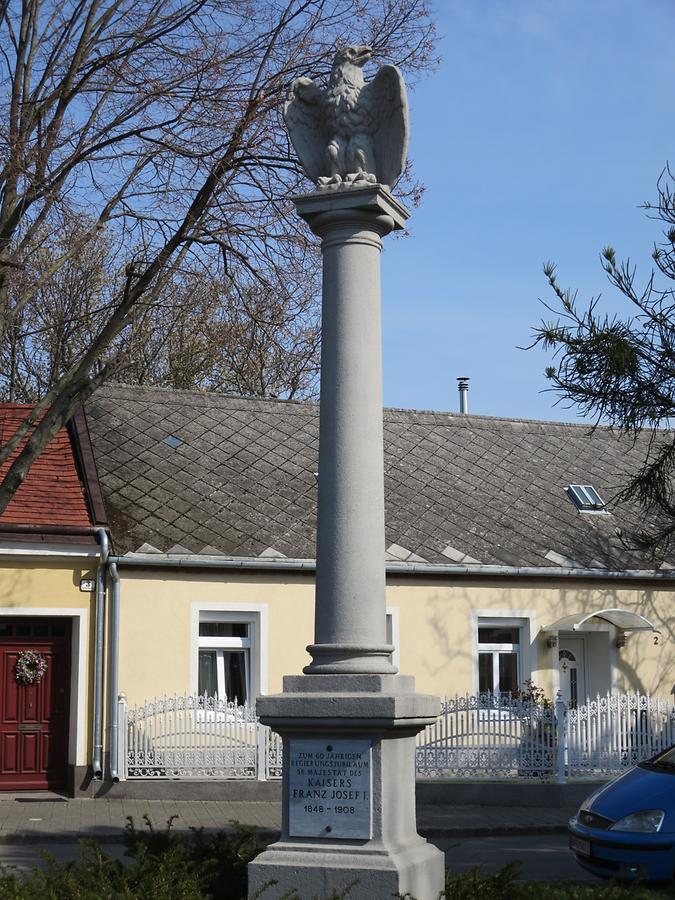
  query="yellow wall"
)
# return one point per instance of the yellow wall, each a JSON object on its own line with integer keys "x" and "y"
{"x": 155, "y": 624}
{"x": 436, "y": 633}
{"x": 437, "y": 646}
{"x": 27, "y": 582}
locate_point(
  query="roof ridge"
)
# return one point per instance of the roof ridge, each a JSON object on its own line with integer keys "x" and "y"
{"x": 450, "y": 414}
{"x": 162, "y": 389}
{"x": 453, "y": 414}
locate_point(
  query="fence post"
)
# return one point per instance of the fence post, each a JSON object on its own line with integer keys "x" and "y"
{"x": 122, "y": 736}
{"x": 261, "y": 752}
{"x": 560, "y": 735}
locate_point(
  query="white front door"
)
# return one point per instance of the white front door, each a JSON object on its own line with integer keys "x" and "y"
{"x": 572, "y": 670}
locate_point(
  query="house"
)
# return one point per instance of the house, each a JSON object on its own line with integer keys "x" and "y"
{"x": 52, "y": 535}
{"x": 504, "y": 562}
{"x": 503, "y": 551}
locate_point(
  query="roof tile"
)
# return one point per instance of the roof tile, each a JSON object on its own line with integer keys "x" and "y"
{"x": 52, "y": 493}
{"x": 243, "y": 480}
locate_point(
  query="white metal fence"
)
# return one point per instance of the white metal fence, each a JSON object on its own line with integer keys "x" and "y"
{"x": 485, "y": 736}
{"x": 489, "y": 735}
{"x": 617, "y": 731}
{"x": 496, "y": 736}
{"x": 196, "y": 736}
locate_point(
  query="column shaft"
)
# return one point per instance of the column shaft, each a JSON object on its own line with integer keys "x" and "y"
{"x": 350, "y": 617}
{"x": 350, "y": 588}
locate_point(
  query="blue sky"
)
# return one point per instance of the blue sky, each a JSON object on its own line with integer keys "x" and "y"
{"x": 542, "y": 132}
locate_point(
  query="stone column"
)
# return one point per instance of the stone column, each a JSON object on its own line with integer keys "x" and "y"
{"x": 349, "y": 723}
{"x": 350, "y": 623}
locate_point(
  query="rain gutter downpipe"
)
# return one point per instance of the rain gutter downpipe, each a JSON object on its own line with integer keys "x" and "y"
{"x": 99, "y": 627}
{"x": 113, "y": 716}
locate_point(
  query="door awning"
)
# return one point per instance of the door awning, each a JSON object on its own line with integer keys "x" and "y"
{"x": 623, "y": 619}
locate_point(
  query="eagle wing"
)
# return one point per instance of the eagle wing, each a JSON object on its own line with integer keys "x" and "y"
{"x": 303, "y": 112}
{"x": 387, "y": 105}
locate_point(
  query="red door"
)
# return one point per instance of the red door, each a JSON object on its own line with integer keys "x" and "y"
{"x": 34, "y": 717}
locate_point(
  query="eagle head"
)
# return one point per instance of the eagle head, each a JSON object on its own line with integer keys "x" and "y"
{"x": 349, "y": 61}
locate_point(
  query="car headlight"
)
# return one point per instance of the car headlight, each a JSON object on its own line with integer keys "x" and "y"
{"x": 645, "y": 820}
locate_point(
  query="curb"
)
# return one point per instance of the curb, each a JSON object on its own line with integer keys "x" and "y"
{"x": 490, "y": 831}
{"x": 36, "y": 837}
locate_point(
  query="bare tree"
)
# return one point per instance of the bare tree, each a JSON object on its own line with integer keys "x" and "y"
{"x": 159, "y": 120}
{"x": 253, "y": 336}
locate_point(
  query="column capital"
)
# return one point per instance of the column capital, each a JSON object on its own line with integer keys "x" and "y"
{"x": 373, "y": 204}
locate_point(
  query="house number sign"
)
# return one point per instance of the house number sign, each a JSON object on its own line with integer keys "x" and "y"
{"x": 330, "y": 792}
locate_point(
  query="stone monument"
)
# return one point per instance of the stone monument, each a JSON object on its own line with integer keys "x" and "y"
{"x": 349, "y": 723}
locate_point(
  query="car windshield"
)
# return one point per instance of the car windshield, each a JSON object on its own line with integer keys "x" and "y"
{"x": 665, "y": 760}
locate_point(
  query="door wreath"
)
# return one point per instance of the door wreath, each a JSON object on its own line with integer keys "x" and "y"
{"x": 30, "y": 667}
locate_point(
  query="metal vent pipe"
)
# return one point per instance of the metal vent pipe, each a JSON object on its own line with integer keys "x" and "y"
{"x": 463, "y": 386}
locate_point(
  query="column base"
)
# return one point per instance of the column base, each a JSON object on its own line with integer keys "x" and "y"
{"x": 348, "y": 816}
{"x": 350, "y": 659}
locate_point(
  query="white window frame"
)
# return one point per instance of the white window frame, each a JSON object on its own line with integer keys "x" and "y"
{"x": 221, "y": 645}
{"x": 255, "y": 615}
{"x": 496, "y": 650}
{"x": 525, "y": 620}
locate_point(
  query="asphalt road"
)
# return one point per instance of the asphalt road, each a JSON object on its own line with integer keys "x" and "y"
{"x": 27, "y": 856}
{"x": 543, "y": 857}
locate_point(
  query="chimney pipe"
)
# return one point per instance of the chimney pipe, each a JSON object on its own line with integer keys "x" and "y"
{"x": 463, "y": 385}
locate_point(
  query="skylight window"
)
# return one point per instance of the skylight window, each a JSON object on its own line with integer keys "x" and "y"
{"x": 172, "y": 441}
{"x": 585, "y": 497}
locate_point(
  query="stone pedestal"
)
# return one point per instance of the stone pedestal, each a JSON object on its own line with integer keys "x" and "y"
{"x": 349, "y": 724}
{"x": 380, "y": 712}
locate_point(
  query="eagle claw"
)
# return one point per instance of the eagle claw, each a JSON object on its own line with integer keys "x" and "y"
{"x": 356, "y": 177}
{"x": 325, "y": 181}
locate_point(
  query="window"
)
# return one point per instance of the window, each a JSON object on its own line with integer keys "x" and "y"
{"x": 32, "y": 629}
{"x": 567, "y": 663}
{"x": 224, "y": 667}
{"x": 498, "y": 658}
{"x": 585, "y": 497}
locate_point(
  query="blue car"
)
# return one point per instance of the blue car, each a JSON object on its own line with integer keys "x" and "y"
{"x": 626, "y": 829}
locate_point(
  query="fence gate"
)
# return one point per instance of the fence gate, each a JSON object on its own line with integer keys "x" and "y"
{"x": 492, "y": 735}
{"x": 615, "y": 732}
{"x": 197, "y": 736}
{"x": 489, "y": 735}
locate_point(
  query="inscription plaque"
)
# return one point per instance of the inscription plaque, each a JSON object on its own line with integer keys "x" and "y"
{"x": 330, "y": 791}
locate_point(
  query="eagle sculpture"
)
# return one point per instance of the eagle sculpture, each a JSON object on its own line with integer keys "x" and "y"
{"x": 354, "y": 132}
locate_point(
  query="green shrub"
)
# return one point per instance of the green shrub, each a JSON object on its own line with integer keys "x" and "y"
{"x": 97, "y": 876}
{"x": 504, "y": 885}
{"x": 219, "y": 861}
{"x": 472, "y": 884}
{"x": 166, "y": 865}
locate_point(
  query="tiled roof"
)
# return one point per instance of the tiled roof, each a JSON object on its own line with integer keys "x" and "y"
{"x": 52, "y": 493}
{"x": 237, "y": 478}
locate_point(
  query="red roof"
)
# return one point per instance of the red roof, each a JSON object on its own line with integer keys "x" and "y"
{"x": 52, "y": 493}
